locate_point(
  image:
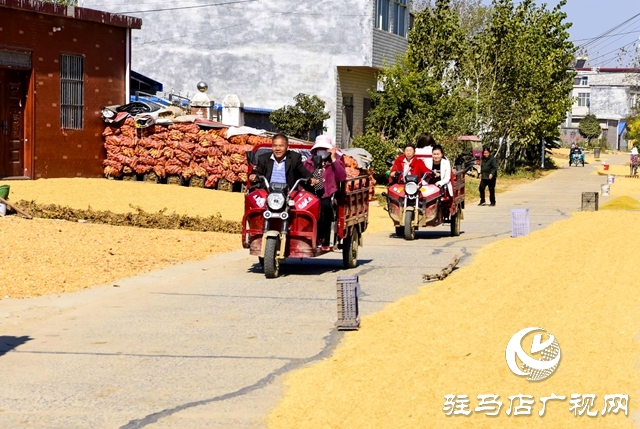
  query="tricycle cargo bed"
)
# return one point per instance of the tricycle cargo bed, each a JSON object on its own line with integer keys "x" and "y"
{"x": 353, "y": 203}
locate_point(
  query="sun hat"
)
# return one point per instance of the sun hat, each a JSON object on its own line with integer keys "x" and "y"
{"x": 323, "y": 142}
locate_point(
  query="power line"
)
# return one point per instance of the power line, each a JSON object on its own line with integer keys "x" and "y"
{"x": 611, "y": 30}
{"x": 614, "y": 41}
{"x": 188, "y": 7}
{"x": 606, "y": 56}
{"x": 599, "y": 47}
{"x": 611, "y": 35}
{"x": 155, "y": 2}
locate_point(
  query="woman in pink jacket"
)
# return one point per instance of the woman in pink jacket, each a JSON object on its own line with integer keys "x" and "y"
{"x": 331, "y": 173}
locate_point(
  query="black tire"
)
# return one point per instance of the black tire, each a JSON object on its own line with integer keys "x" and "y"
{"x": 455, "y": 225}
{"x": 271, "y": 263}
{"x": 409, "y": 230}
{"x": 350, "y": 250}
{"x": 400, "y": 231}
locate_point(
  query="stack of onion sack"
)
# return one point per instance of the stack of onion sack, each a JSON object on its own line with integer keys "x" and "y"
{"x": 178, "y": 149}
{"x": 353, "y": 171}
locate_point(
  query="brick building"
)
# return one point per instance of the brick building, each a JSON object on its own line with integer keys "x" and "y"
{"x": 59, "y": 66}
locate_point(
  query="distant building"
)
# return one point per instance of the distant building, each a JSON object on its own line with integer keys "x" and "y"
{"x": 607, "y": 93}
{"x": 267, "y": 52}
{"x": 59, "y": 66}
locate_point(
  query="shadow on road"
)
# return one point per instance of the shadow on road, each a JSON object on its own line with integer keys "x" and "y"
{"x": 427, "y": 235}
{"x": 8, "y": 343}
{"x": 308, "y": 267}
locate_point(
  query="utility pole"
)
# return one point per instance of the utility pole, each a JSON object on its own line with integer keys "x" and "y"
{"x": 542, "y": 141}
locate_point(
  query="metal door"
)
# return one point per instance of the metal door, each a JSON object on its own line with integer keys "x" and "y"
{"x": 12, "y": 101}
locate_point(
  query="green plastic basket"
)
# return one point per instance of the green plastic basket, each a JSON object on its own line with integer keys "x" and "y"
{"x": 4, "y": 191}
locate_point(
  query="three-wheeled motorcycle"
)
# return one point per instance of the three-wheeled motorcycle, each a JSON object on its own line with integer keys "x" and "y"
{"x": 281, "y": 223}
{"x": 471, "y": 155}
{"x": 412, "y": 204}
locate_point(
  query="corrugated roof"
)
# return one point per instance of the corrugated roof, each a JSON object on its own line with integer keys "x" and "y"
{"x": 80, "y": 13}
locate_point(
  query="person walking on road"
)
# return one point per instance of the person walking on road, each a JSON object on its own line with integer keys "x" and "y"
{"x": 634, "y": 161}
{"x": 489, "y": 173}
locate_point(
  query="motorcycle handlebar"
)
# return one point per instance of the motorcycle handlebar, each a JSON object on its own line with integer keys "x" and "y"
{"x": 264, "y": 179}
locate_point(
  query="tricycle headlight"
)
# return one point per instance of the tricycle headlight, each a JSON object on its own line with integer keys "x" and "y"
{"x": 108, "y": 113}
{"x": 411, "y": 188}
{"x": 275, "y": 201}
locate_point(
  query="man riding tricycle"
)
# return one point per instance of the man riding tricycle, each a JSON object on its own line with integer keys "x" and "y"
{"x": 302, "y": 208}
{"x": 421, "y": 197}
{"x": 576, "y": 156}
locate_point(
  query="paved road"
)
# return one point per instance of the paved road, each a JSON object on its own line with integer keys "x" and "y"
{"x": 205, "y": 344}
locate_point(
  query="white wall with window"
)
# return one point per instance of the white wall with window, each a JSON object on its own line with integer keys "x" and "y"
{"x": 583, "y": 99}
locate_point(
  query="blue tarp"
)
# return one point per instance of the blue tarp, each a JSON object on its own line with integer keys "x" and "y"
{"x": 247, "y": 109}
{"x": 621, "y": 127}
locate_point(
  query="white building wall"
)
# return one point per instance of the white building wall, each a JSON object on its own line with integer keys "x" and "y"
{"x": 610, "y": 102}
{"x": 610, "y": 93}
{"x": 264, "y": 51}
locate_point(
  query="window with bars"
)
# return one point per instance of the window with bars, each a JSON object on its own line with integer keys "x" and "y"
{"x": 71, "y": 91}
{"x": 400, "y": 18}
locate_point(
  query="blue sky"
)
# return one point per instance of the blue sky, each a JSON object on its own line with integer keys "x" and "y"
{"x": 591, "y": 18}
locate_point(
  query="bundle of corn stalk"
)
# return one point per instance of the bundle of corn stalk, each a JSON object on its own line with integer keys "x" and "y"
{"x": 177, "y": 150}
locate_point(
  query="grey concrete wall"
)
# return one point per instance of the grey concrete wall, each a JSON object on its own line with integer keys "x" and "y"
{"x": 264, "y": 51}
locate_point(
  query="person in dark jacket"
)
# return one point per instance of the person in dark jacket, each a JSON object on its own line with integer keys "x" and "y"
{"x": 488, "y": 172}
{"x": 282, "y": 165}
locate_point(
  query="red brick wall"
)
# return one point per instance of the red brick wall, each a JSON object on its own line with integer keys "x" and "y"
{"x": 72, "y": 153}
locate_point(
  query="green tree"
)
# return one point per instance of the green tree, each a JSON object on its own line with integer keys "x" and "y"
{"x": 502, "y": 75}
{"x": 589, "y": 128}
{"x": 633, "y": 131}
{"x": 473, "y": 14}
{"x": 518, "y": 66}
{"x": 299, "y": 120}
{"x": 422, "y": 91}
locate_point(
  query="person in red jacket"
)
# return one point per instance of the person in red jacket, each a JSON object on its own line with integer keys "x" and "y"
{"x": 408, "y": 164}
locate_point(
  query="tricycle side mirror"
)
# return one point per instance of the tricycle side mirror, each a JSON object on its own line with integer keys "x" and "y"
{"x": 251, "y": 157}
{"x": 317, "y": 161}
{"x": 389, "y": 162}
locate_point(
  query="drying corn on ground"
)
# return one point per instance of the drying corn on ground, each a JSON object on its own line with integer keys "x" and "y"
{"x": 451, "y": 337}
{"x": 43, "y": 257}
{"x": 119, "y": 196}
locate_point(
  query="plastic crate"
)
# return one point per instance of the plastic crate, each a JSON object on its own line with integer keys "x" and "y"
{"x": 519, "y": 222}
{"x": 348, "y": 315}
{"x": 590, "y": 201}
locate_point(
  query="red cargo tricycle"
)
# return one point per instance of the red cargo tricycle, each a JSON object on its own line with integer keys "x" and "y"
{"x": 412, "y": 204}
{"x": 281, "y": 223}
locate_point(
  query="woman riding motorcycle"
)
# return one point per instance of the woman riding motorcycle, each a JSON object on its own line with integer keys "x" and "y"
{"x": 408, "y": 164}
